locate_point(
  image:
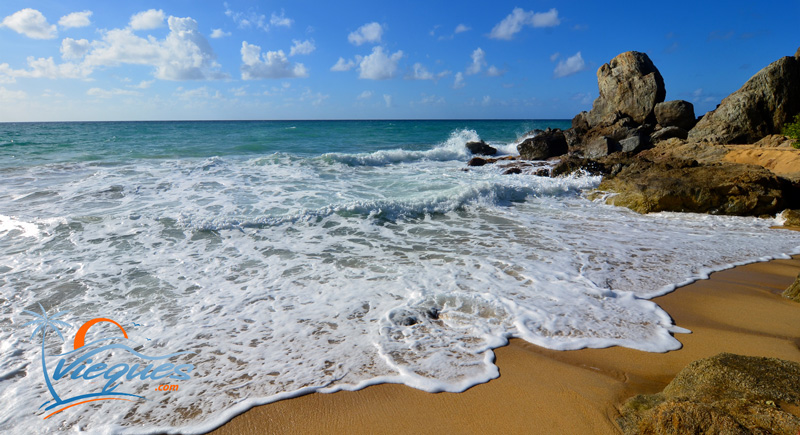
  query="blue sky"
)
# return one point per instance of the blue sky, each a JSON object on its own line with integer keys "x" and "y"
{"x": 181, "y": 59}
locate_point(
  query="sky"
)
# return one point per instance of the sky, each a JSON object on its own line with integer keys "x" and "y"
{"x": 90, "y": 60}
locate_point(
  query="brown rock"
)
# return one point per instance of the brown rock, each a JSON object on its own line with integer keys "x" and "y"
{"x": 793, "y": 291}
{"x": 791, "y": 218}
{"x": 629, "y": 84}
{"x": 686, "y": 186}
{"x": 676, "y": 113}
{"x": 481, "y": 148}
{"x": 668, "y": 133}
{"x": 549, "y": 143}
{"x": 761, "y": 107}
{"x": 725, "y": 393}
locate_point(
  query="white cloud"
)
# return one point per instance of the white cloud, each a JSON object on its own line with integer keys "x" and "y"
{"x": 478, "y": 61}
{"x": 146, "y": 20}
{"x": 103, "y": 93}
{"x": 184, "y": 54}
{"x": 199, "y": 93}
{"x": 514, "y": 22}
{"x": 343, "y": 65}
{"x": 486, "y": 100}
{"x": 365, "y": 95}
{"x": 31, "y": 23}
{"x": 421, "y": 73}
{"x": 458, "y": 83}
{"x": 72, "y": 49}
{"x": 494, "y": 72}
{"x": 9, "y": 95}
{"x": 387, "y": 99}
{"x": 219, "y": 33}
{"x": 238, "y": 92}
{"x": 280, "y": 20}
{"x": 144, "y": 84}
{"x": 245, "y": 20}
{"x": 571, "y": 65}
{"x": 44, "y": 68}
{"x": 304, "y": 47}
{"x": 370, "y": 32}
{"x": 75, "y": 19}
{"x": 316, "y": 99}
{"x": 428, "y": 100}
{"x": 272, "y": 65}
{"x": 379, "y": 66}
{"x": 461, "y": 28}
{"x": 554, "y": 56}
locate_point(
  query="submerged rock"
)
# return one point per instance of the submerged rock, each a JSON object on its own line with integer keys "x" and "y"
{"x": 549, "y": 143}
{"x": 481, "y": 148}
{"x": 725, "y": 393}
{"x": 761, "y": 107}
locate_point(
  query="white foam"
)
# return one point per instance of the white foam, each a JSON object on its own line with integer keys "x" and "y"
{"x": 286, "y": 275}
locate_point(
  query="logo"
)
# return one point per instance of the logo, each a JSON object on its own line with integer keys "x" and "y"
{"x": 103, "y": 364}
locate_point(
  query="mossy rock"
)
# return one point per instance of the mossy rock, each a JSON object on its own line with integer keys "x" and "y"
{"x": 727, "y": 393}
{"x": 793, "y": 292}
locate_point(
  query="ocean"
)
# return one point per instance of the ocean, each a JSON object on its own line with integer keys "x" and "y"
{"x": 264, "y": 260}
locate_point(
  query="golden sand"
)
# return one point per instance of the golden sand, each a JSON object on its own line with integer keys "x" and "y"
{"x": 542, "y": 391}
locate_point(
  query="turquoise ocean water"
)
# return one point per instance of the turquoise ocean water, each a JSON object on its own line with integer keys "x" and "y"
{"x": 296, "y": 256}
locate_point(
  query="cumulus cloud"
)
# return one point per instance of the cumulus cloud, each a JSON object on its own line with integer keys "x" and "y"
{"x": 302, "y": 47}
{"x": 247, "y": 19}
{"x": 219, "y": 33}
{"x": 461, "y": 28}
{"x": 554, "y": 56}
{"x": 343, "y": 65}
{"x": 379, "y": 65}
{"x": 478, "y": 61}
{"x": 280, "y": 20}
{"x": 370, "y": 32}
{"x": 421, "y": 73}
{"x": 183, "y": 55}
{"x": 72, "y": 49}
{"x": 270, "y": 65}
{"x": 573, "y": 64}
{"x": 31, "y": 23}
{"x": 365, "y": 95}
{"x": 44, "y": 68}
{"x": 146, "y": 20}
{"x": 75, "y": 19}
{"x": 458, "y": 83}
{"x": 519, "y": 18}
{"x": 493, "y": 71}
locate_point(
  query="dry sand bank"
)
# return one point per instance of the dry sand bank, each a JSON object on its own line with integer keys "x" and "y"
{"x": 542, "y": 391}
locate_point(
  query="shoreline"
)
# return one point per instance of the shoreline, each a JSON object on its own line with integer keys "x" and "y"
{"x": 737, "y": 310}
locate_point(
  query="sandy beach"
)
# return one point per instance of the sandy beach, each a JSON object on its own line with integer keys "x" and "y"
{"x": 739, "y": 310}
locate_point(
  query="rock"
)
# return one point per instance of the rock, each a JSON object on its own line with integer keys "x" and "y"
{"x": 512, "y": 171}
{"x": 629, "y": 84}
{"x": 668, "y": 133}
{"x": 725, "y": 393}
{"x": 549, "y": 143}
{"x": 476, "y": 161}
{"x": 793, "y": 291}
{"x": 599, "y": 147}
{"x": 791, "y": 218}
{"x": 761, "y": 107}
{"x": 481, "y": 148}
{"x": 681, "y": 185}
{"x": 633, "y": 144}
{"x": 676, "y": 113}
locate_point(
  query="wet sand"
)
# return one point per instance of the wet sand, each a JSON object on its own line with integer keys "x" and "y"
{"x": 739, "y": 310}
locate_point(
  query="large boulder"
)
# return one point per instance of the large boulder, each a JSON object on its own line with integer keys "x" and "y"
{"x": 629, "y": 84}
{"x": 759, "y": 108}
{"x": 725, "y": 393}
{"x": 682, "y": 185}
{"x": 542, "y": 146}
{"x": 675, "y": 113}
{"x": 481, "y": 148}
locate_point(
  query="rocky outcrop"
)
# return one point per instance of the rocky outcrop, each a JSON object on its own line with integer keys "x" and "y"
{"x": 725, "y": 393}
{"x": 676, "y": 113}
{"x": 481, "y": 148}
{"x": 543, "y": 145}
{"x": 683, "y": 185}
{"x": 793, "y": 291}
{"x": 622, "y": 117}
{"x": 791, "y": 218}
{"x": 630, "y": 85}
{"x": 668, "y": 133}
{"x": 759, "y": 108}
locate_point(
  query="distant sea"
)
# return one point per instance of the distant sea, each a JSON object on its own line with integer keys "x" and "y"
{"x": 296, "y": 256}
